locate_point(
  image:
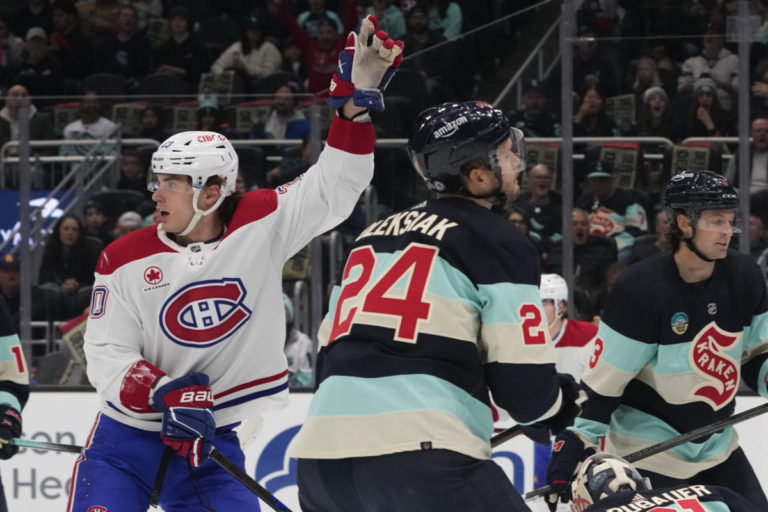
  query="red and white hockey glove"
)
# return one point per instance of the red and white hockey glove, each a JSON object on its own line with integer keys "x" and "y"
{"x": 366, "y": 65}
{"x": 188, "y": 424}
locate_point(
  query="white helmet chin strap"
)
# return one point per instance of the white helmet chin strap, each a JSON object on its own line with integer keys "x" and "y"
{"x": 558, "y": 315}
{"x": 199, "y": 213}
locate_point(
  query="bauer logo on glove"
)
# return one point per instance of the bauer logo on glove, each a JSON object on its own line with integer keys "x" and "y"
{"x": 366, "y": 65}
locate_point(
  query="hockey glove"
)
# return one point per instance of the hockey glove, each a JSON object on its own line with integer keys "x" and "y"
{"x": 10, "y": 427}
{"x": 188, "y": 424}
{"x": 568, "y": 452}
{"x": 366, "y": 65}
{"x": 541, "y": 431}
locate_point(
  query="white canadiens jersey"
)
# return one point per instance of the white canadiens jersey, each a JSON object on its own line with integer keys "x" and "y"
{"x": 216, "y": 308}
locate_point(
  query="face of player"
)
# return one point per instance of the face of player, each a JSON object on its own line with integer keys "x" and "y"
{"x": 714, "y": 230}
{"x": 509, "y": 162}
{"x": 549, "y": 310}
{"x": 174, "y": 202}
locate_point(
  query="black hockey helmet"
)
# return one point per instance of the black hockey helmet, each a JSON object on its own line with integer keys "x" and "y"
{"x": 452, "y": 134}
{"x": 694, "y": 191}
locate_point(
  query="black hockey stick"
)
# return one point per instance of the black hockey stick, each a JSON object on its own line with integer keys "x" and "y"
{"x": 506, "y": 435}
{"x": 251, "y": 484}
{"x": 675, "y": 441}
{"x": 160, "y": 477}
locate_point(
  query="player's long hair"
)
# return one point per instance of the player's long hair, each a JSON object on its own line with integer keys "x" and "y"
{"x": 228, "y": 206}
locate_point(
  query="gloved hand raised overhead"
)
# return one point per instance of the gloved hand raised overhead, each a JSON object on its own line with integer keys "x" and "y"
{"x": 366, "y": 65}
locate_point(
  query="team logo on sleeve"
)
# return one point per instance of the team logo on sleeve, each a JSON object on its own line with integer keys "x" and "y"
{"x": 679, "y": 323}
{"x": 718, "y": 370}
{"x": 205, "y": 313}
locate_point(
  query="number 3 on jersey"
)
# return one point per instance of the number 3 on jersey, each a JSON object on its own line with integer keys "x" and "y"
{"x": 380, "y": 297}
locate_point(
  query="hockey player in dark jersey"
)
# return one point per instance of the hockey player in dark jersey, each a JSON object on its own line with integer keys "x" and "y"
{"x": 608, "y": 483}
{"x": 438, "y": 306}
{"x": 14, "y": 389}
{"x": 677, "y": 333}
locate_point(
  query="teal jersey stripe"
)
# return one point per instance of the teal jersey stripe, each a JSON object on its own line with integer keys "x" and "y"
{"x": 355, "y": 396}
{"x": 673, "y": 359}
{"x": 10, "y": 400}
{"x": 593, "y": 430}
{"x": 623, "y": 352}
{"x": 6, "y": 344}
{"x": 757, "y": 332}
{"x": 630, "y": 422}
{"x": 500, "y": 296}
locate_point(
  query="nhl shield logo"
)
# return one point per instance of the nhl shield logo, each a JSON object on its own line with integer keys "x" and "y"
{"x": 204, "y": 313}
{"x": 679, "y": 323}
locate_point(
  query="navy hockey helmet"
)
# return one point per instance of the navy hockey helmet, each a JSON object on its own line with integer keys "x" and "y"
{"x": 451, "y": 134}
{"x": 694, "y": 191}
{"x": 603, "y": 475}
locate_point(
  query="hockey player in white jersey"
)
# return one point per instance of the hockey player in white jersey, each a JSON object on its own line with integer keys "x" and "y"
{"x": 186, "y": 327}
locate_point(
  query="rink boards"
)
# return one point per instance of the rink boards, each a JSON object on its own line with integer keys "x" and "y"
{"x": 38, "y": 481}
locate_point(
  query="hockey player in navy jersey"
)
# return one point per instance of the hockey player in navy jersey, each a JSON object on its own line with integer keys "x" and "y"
{"x": 678, "y": 332}
{"x": 608, "y": 483}
{"x": 437, "y": 307}
{"x": 14, "y": 389}
{"x": 186, "y": 327}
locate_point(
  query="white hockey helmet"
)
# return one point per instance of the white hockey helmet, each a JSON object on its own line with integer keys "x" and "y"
{"x": 555, "y": 288}
{"x": 199, "y": 155}
{"x": 603, "y": 475}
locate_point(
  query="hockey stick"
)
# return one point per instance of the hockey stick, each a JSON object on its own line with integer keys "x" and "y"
{"x": 251, "y": 484}
{"x": 505, "y": 436}
{"x": 675, "y": 441}
{"x": 40, "y": 445}
{"x": 160, "y": 477}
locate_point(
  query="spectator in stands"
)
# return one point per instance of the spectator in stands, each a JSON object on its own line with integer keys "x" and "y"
{"x": 69, "y": 260}
{"x": 705, "y": 117}
{"x": 589, "y": 67}
{"x": 592, "y": 255}
{"x": 758, "y": 157}
{"x": 274, "y": 30}
{"x": 96, "y": 224}
{"x": 650, "y": 245}
{"x": 91, "y": 126}
{"x": 316, "y": 15}
{"x": 133, "y": 175}
{"x": 590, "y": 119}
{"x": 614, "y": 212}
{"x": 758, "y": 100}
{"x": 38, "y": 70}
{"x": 445, "y": 17}
{"x": 127, "y": 222}
{"x": 716, "y": 63}
{"x": 543, "y": 205}
{"x": 534, "y": 119}
{"x": 293, "y": 61}
{"x": 389, "y": 16}
{"x": 654, "y": 116}
{"x": 98, "y": 18}
{"x": 152, "y": 124}
{"x": 10, "y": 53}
{"x": 757, "y": 239}
{"x": 183, "y": 54}
{"x": 126, "y": 52}
{"x": 285, "y": 121}
{"x": 437, "y": 64}
{"x": 292, "y": 165}
{"x": 518, "y": 217}
{"x": 34, "y": 13}
{"x": 70, "y": 46}
{"x": 319, "y": 54}
{"x": 648, "y": 76}
{"x": 252, "y": 56}
{"x": 298, "y": 350}
{"x": 40, "y": 127}
{"x": 211, "y": 118}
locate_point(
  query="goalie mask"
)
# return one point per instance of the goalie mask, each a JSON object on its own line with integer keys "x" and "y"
{"x": 199, "y": 155}
{"x": 603, "y": 475}
{"x": 448, "y": 136}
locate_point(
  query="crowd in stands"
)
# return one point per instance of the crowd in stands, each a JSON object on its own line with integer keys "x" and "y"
{"x": 629, "y": 79}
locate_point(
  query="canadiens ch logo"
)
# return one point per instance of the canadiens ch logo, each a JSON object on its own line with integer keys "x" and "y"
{"x": 153, "y": 275}
{"x": 679, "y": 323}
{"x": 710, "y": 362}
{"x": 205, "y": 313}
